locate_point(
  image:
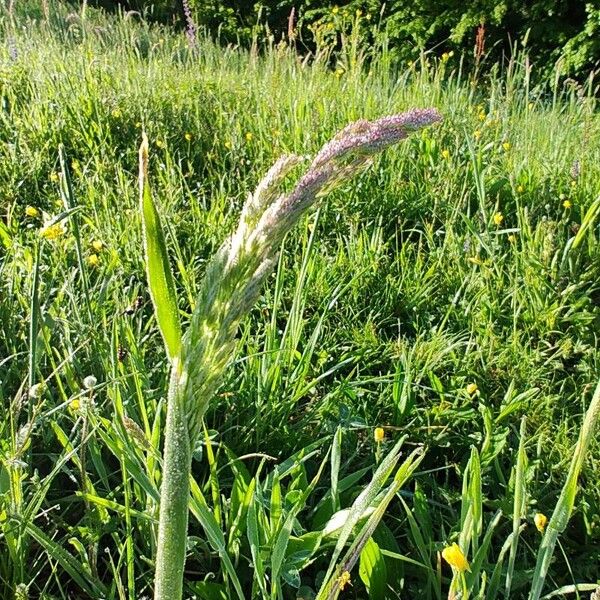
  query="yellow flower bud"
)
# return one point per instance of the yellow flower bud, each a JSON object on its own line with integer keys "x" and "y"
{"x": 540, "y": 521}
{"x": 454, "y": 556}
{"x": 379, "y": 434}
{"x": 472, "y": 388}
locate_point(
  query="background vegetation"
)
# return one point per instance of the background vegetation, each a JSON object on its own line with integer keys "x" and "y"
{"x": 439, "y": 296}
{"x": 567, "y": 31}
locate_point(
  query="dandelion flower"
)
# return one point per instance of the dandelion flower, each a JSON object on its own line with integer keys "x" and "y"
{"x": 97, "y": 245}
{"x": 74, "y": 404}
{"x": 93, "y": 260}
{"x": 52, "y": 232}
{"x": 454, "y": 556}
{"x": 446, "y": 154}
{"x": 89, "y": 382}
{"x": 379, "y": 434}
{"x": 540, "y": 521}
{"x": 472, "y": 388}
{"x": 567, "y": 204}
{"x": 498, "y": 218}
{"x": 32, "y": 211}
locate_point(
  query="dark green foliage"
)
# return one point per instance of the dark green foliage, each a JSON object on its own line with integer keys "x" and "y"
{"x": 567, "y": 29}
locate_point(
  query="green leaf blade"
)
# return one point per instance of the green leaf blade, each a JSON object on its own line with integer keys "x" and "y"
{"x": 160, "y": 276}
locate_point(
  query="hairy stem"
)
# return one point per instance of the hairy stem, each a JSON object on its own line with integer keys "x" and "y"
{"x": 174, "y": 496}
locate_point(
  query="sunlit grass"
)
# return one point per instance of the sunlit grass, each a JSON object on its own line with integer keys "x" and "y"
{"x": 405, "y": 289}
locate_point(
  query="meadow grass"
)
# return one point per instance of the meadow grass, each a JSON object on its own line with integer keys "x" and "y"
{"x": 450, "y": 262}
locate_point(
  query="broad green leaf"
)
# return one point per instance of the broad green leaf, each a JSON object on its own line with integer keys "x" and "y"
{"x": 372, "y": 570}
{"x": 160, "y": 277}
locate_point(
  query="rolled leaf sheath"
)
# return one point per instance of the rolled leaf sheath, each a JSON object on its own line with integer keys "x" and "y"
{"x": 174, "y": 498}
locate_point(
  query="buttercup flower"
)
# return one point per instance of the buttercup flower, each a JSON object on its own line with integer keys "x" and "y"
{"x": 32, "y": 211}
{"x": 52, "y": 232}
{"x": 472, "y": 388}
{"x": 506, "y": 146}
{"x": 93, "y": 260}
{"x": 498, "y": 218}
{"x": 540, "y": 521}
{"x": 379, "y": 434}
{"x": 454, "y": 556}
{"x": 567, "y": 204}
{"x": 97, "y": 245}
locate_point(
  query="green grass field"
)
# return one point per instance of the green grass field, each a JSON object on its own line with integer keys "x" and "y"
{"x": 447, "y": 293}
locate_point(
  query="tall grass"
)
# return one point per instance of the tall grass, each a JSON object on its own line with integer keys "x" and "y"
{"x": 385, "y": 305}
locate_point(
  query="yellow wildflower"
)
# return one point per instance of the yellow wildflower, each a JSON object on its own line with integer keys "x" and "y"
{"x": 512, "y": 238}
{"x": 573, "y": 183}
{"x": 498, "y": 218}
{"x": 97, "y": 245}
{"x": 188, "y": 136}
{"x": 446, "y": 56}
{"x": 472, "y": 389}
{"x": 540, "y": 521}
{"x": 379, "y": 434}
{"x": 477, "y": 134}
{"x": 335, "y": 10}
{"x": 454, "y": 556}
{"x": 74, "y": 404}
{"x": 358, "y": 12}
{"x": 93, "y": 260}
{"x": 116, "y": 113}
{"x": 249, "y": 136}
{"x": 339, "y": 72}
{"x": 52, "y": 232}
{"x": 138, "y": 125}
{"x": 520, "y": 189}
{"x": 567, "y": 204}
{"x": 343, "y": 580}
{"x": 446, "y": 154}
{"x": 481, "y": 116}
{"x": 227, "y": 145}
{"x": 160, "y": 144}
{"x": 54, "y": 177}
{"x": 530, "y": 106}
{"x": 506, "y": 146}
{"x": 32, "y": 211}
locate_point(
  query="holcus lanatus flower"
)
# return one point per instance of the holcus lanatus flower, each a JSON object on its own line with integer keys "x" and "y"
{"x": 454, "y": 556}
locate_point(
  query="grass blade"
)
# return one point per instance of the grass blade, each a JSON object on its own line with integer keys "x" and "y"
{"x": 160, "y": 276}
